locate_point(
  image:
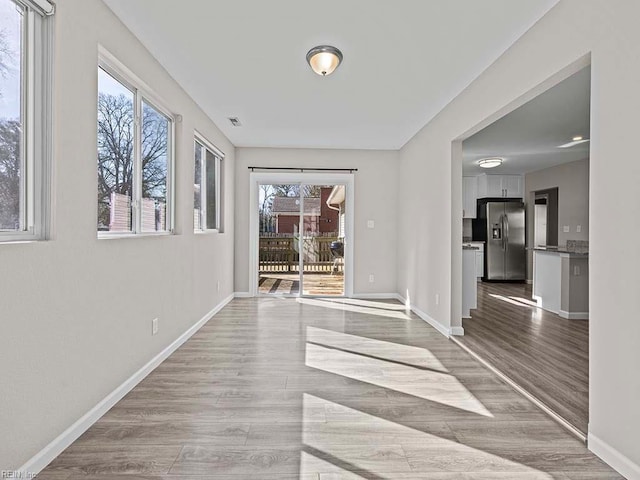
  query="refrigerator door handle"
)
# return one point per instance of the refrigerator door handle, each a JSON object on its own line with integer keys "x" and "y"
{"x": 502, "y": 232}
{"x": 506, "y": 231}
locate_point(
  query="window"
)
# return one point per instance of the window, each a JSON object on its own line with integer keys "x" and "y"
{"x": 207, "y": 187}
{"x": 24, "y": 119}
{"x": 135, "y": 159}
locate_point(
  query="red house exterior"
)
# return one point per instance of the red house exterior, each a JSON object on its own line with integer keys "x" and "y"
{"x": 319, "y": 219}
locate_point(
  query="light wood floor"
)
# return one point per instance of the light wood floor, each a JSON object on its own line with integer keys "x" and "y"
{"x": 544, "y": 353}
{"x": 289, "y": 283}
{"x": 312, "y": 389}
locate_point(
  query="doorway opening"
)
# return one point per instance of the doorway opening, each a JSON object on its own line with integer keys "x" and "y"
{"x": 531, "y": 328}
{"x": 302, "y": 240}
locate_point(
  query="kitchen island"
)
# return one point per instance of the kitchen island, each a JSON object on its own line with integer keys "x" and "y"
{"x": 561, "y": 281}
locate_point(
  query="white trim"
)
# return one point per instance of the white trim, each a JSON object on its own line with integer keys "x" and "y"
{"x": 431, "y": 321}
{"x": 206, "y": 143}
{"x": 44, "y": 7}
{"x": 243, "y": 295}
{"x": 522, "y": 391}
{"x": 529, "y": 281}
{"x": 457, "y": 331}
{"x": 574, "y": 315}
{"x": 376, "y": 296}
{"x": 40, "y": 460}
{"x": 114, "y": 67}
{"x": 622, "y": 464}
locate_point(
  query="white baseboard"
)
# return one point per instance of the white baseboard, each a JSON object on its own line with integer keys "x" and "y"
{"x": 431, "y": 321}
{"x": 375, "y": 296}
{"x": 529, "y": 282}
{"x": 574, "y": 315}
{"x": 457, "y": 331}
{"x": 242, "y": 295}
{"x": 616, "y": 460}
{"x": 39, "y": 461}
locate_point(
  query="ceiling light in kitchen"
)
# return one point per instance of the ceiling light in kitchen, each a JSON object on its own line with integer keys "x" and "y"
{"x": 491, "y": 162}
{"x": 575, "y": 141}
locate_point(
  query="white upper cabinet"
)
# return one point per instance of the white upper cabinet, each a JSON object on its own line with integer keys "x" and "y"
{"x": 500, "y": 186}
{"x": 469, "y": 197}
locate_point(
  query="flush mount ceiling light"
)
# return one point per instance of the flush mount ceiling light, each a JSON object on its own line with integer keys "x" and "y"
{"x": 491, "y": 162}
{"x": 577, "y": 140}
{"x": 324, "y": 59}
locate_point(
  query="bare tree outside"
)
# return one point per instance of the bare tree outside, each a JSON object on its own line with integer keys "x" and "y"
{"x": 116, "y": 153}
{"x": 10, "y": 139}
{"x": 11, "y": 131}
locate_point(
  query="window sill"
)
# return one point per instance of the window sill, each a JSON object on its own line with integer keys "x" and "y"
{"x": 19, "y": 238}
{"x": 15, "y": 241}
{"x": 115, "y": 236}
{"x": 207, "y": 232}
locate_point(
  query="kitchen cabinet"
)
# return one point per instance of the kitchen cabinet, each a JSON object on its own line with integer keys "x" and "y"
{"x": 500, "y": 186}
{"x": 469, "y": 282}
{"x": 479, "y": 253}
{"x": 469, "y": 197}
{"x": 480, "y": 260}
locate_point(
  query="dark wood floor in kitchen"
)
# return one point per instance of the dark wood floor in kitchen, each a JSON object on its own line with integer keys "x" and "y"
{"x": 545, "y": 354}
{"x": 319, "y": 389}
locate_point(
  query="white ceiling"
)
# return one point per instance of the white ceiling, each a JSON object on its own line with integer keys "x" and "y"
{"x": 528, "y": 138}
{"x": 404, "y": 60}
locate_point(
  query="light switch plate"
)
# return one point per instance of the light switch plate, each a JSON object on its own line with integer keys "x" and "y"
{"x": 371, "y": 224}
{"x": 578, "y": 228}
{"x": 566, "y": 229}
{"x": 154, "y": 326}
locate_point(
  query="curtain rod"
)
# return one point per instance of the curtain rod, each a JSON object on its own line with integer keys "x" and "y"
{"x": 305, "y": 169}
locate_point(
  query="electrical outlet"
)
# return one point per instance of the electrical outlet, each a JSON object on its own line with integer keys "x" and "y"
{"x": 576, "y": 270}
{"x": 437, "y": 299}
{"x": 371, "y": 224}
{"x": 154, "y": 326}
{"x": 372, "y": 278}
{"x": 578, "y": 228}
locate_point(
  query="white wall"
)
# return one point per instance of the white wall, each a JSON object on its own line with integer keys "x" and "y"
{"x": 375, "y": 199}
{"x": 430, "y": 193}
{"x": 572, "y": 181}
{"x": 76, "y": 311}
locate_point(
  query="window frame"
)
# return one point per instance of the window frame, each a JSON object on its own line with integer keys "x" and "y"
{"x": 219, "y": 157}
{"x": 36, "y": 65}
{"x": 142, "y": 94}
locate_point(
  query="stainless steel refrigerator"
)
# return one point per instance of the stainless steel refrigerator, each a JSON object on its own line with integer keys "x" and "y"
{"x": 502, "y": 226}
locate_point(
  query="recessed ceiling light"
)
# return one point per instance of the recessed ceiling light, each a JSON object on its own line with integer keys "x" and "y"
{"x": 574, "y": 142}
{"x": 324, "y": 59}
{"x": 491, "y": 162}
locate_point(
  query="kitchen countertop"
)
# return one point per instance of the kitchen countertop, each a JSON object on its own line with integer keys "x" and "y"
{"x": 470, "y": 247}
{"x": 559, "y": 250}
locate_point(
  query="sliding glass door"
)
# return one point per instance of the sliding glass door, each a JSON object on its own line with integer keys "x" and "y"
{"x": 321, "y": 242}
{"x": 301, "y": 239}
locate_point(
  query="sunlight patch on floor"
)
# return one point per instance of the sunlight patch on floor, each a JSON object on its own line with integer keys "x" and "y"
{"x": 429, "y": 384}
{"x": 519, "y": 302}
{"x": 395, "y": 352}
{"x": 354, "y": 308}
{"x": 381, "y": 449}
{"x": 368, "y": 303}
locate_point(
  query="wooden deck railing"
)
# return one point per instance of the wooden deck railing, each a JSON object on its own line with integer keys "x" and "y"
{"x": 280, "y": 254}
